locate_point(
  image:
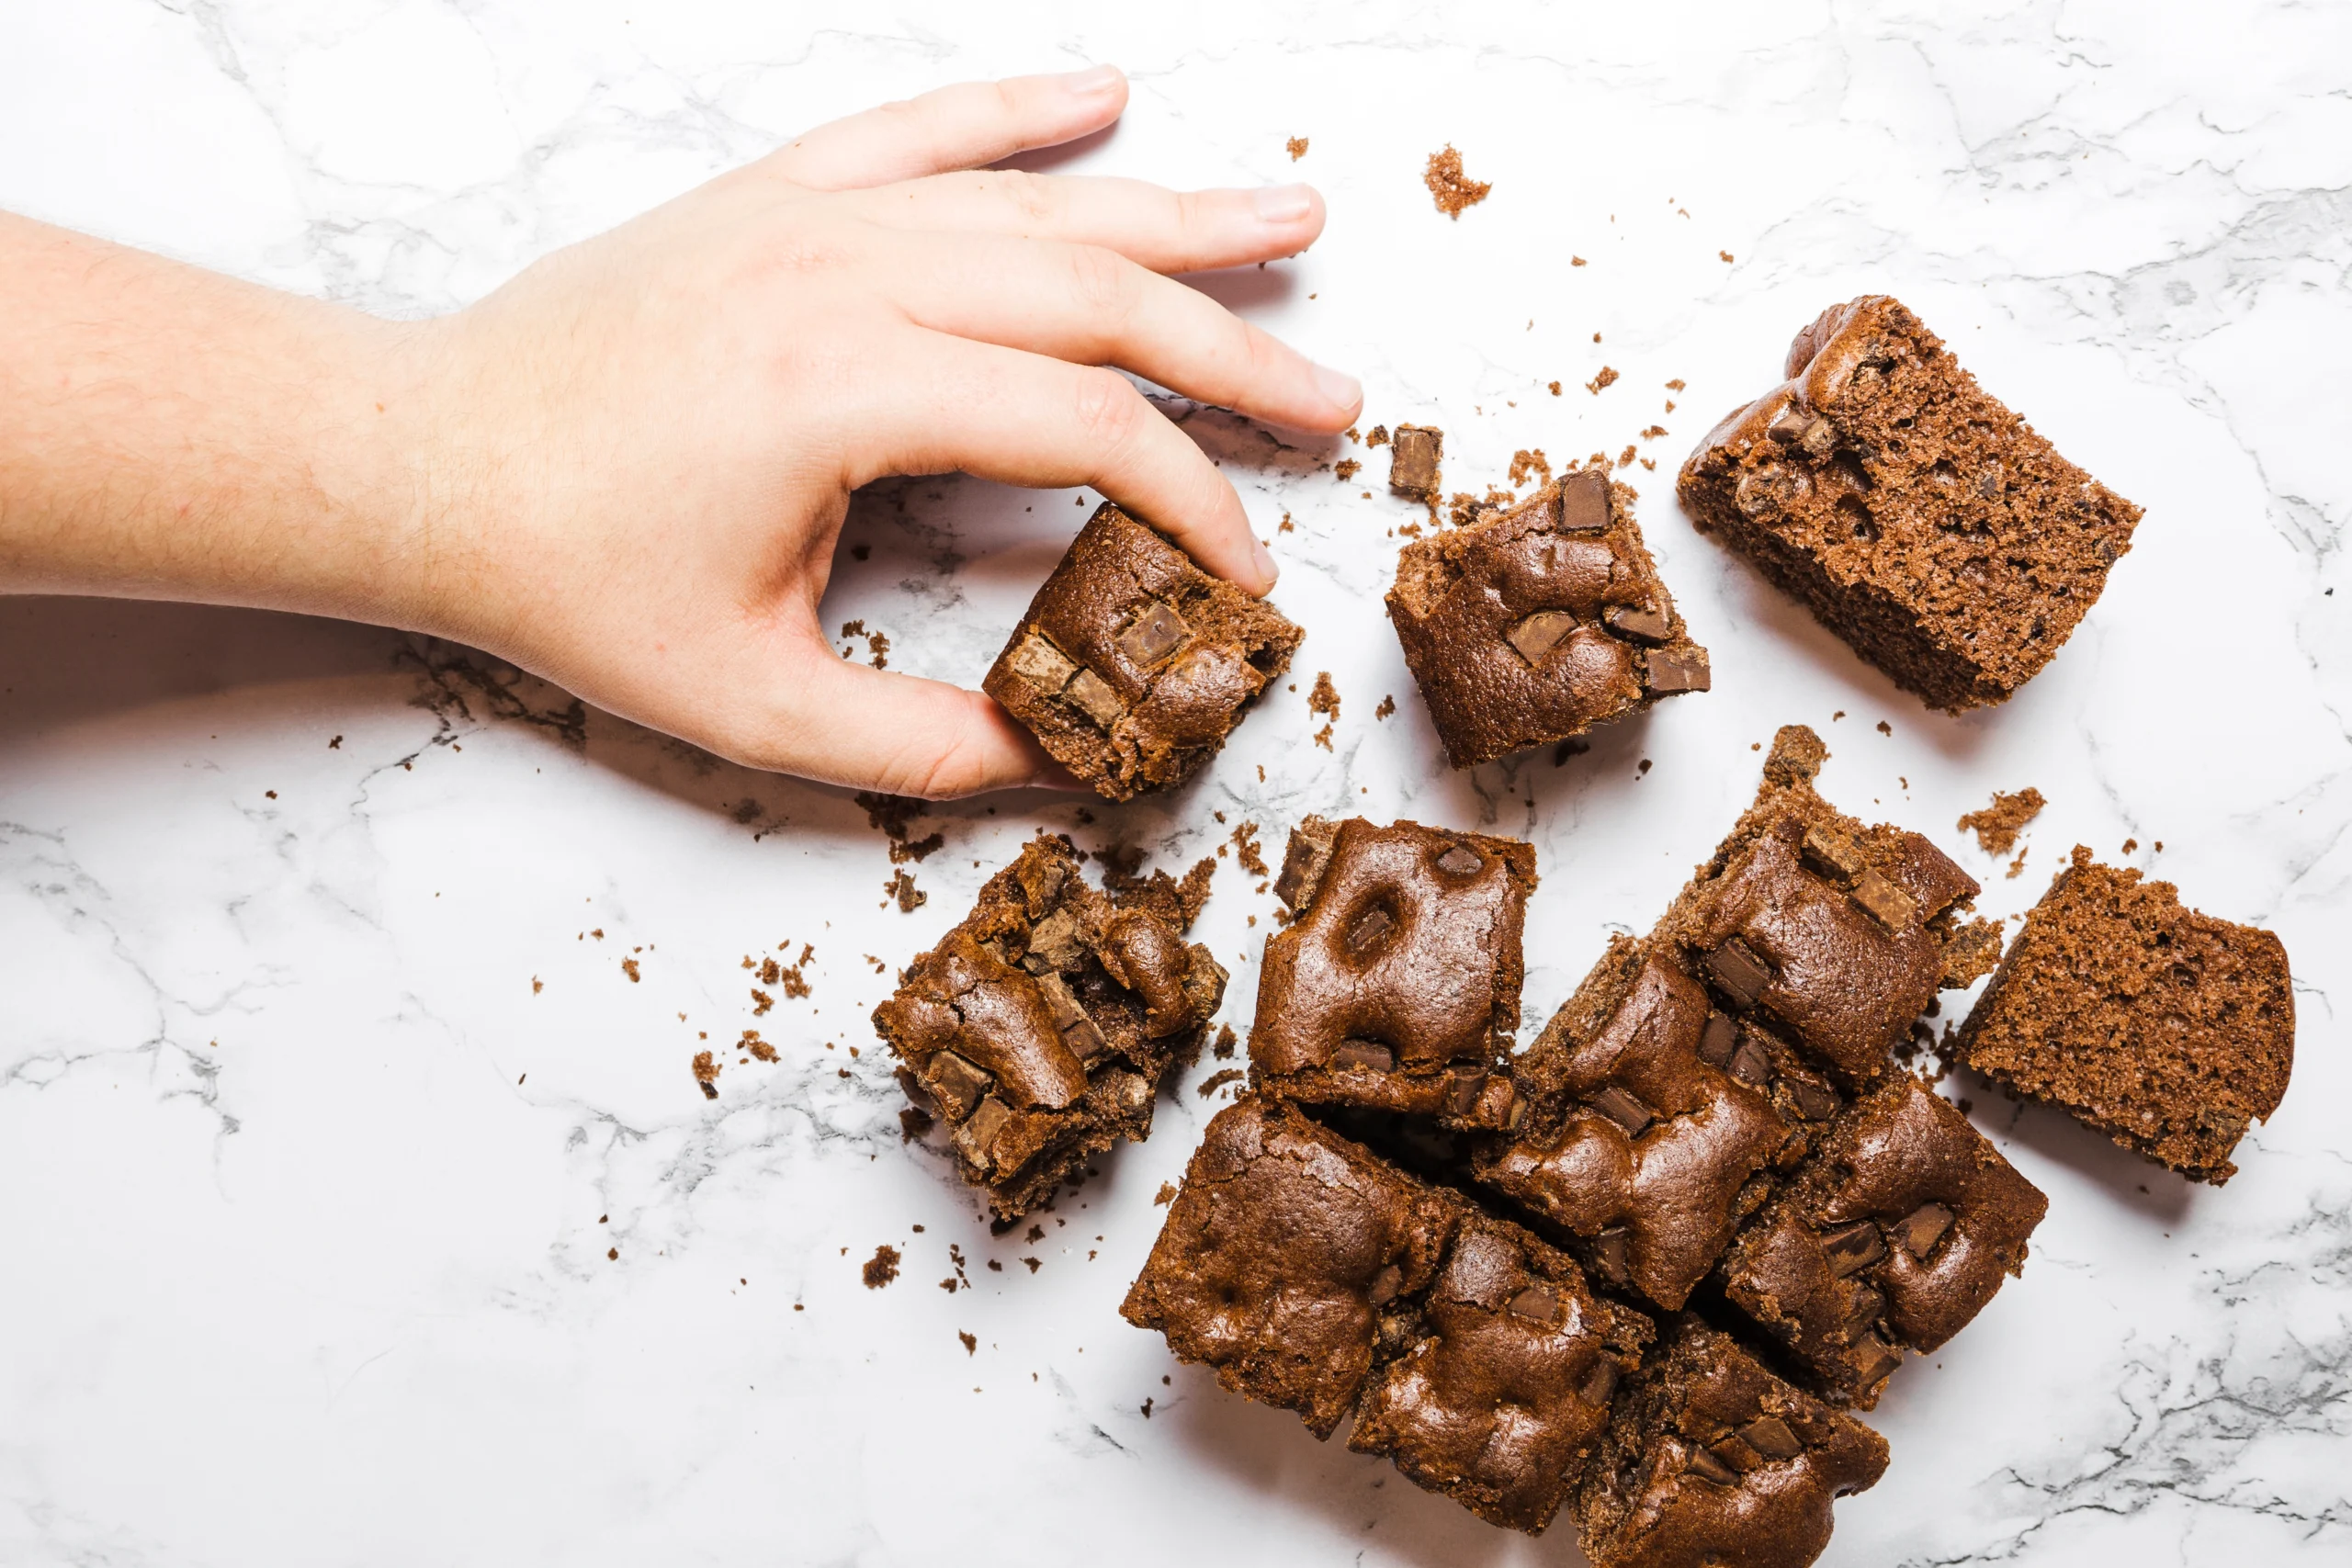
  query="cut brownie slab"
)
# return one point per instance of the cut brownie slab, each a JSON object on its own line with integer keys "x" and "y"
{"x": 1041, "y": 1025}
{"x": 2167, "y": 1030}
{"x": 1396, "y": 986}
{"x": 1132, "y": 664}
{"x": 1287, "y": 1256}
{"x": 1536, "y": 624}
{"x": 1711, "y": 1458}
{"x": 1893, "y": 1238}
{"x": 1505, "y": 1389}
{"x": 1916, "y": 515}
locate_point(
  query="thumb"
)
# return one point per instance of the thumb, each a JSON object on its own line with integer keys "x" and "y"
{"x": 848, "y": 725}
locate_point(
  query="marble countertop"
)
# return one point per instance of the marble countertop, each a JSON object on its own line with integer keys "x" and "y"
{"x": 360, "y": 1208}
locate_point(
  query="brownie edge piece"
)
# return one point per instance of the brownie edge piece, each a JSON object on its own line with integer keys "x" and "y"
{"x": 2167, "y": 1030}
{"x": 1132, "y": 665}
{"x": 1534, "y": 624}
{"x": 1917, "y": 517}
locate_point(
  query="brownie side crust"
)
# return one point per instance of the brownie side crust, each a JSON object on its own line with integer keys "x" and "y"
{"x": 1534, "y": 624}
{"x": 1041, "y": 1025}
{"x": 1132, "y": 665}
{"x": 2167, "y": 1030}
{"x": 1915, "y": 514}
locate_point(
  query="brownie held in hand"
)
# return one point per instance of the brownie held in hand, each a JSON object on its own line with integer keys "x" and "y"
{"x": 1396, "y": 985}
{"x": 1132, "y": 664}
{"x": 1893, "y": 1237}
{"x": 1536, "y": 624}
{"x": 1916, "y": 516}
{"x": 1042, "y": 1024}
{"x": 2167, "y": 1030}
{"x": 1711, "y": 1460}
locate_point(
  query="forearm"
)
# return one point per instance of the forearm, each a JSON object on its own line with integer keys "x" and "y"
{"x": 169, "y": 433}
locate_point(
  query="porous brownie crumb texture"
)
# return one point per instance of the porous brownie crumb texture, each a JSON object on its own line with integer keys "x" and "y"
{"x": 2167, "y": 1030}
{"x": 1132, "y": 664}
{"x": 1535, "y": 622}
{"x": 1996, "y": 827}
{"x": 1042, "y": 1024}
{"x": 1917, "y": 517}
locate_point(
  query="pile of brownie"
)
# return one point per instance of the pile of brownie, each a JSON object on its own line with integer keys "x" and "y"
{"x": 1647, "y": 1268}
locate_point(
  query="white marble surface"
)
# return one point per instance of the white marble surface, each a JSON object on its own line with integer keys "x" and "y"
{"x": 307, "y": 1185}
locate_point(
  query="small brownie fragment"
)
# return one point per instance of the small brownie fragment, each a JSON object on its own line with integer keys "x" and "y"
{"x": 1534, "y": 624}
{"x": 1396, "y": 987}
{"x": 1505, "y": 1390}
{"x": 1132, "y": 664}
{"x": 1917, "y": 517}
{"x": 1712, "y": 1460}
{"x": 1041, "y": 1025}
{"x": 1288, "y": 1256}
{"x": 2167, "y": 1030}
{"x": 1893, "y": 1238}
{"x": 1413, "y": 461}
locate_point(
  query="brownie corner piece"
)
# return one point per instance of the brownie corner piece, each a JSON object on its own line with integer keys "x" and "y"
{"x": 1396, "y": 986}
{"x": 1893, "y": 1239}
{"x": 2167, "y": 1030}
{"x": 1288, "y": 1256}
{"x": 1042, "y": 1023}
{"x": 1713, "y": 1459}
{"x": 1534, "y": 623}
{"x": 1503, "y": 1391}
{"x": 1916, "y": 516}
{"x": 1132, "y": 665}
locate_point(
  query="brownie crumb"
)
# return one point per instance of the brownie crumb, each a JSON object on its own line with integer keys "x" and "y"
{"x": 1608, "y": 377}
{"x": 882, "y": 1268}
{"x": 1226, "y": 1041}
{"x": 1035, "y": 1263}
{"x": 1165, "y": 1196}
{"x": 1296, "y": 147}
{"x": 1387, "y": 705}
{"x": 1884, "y": 727}
{"x": 1345, "y": 470}
{"x": 1725, "y": 254}
{"x": 628, "y": 967}
{"x": 1449, "y": 187}
{"x": 2017, "y": 865}
{"x": 1998, "y": 825}
{"x": 2130, "y": 845}
{"x": 706, "y": 1074}
{"x": 1529, "y": 462}
{"x": 901, "y": 887}
{"x": 913, "y": 1122}
{"x": 1247, "y": 853}
{"x": 1147, "y": 1409}
{"x": 916, "y": 850}
{"x": 1218, "y": 1079}
{"x": 1555, "y": 386}
{"x": 1379, "y": 436}
{"x": 1325, "y": 698}
{"x": 758, "y": 1047}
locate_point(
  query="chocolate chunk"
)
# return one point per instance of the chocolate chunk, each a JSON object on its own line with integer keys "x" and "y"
{"x": 1414, "y": 451}
{"x": 1751, "y": 1065}
{"x": 1818, "y": 438}
{"x": 1813, "y": 1102}
{"x": 1461, "y": 860}
{"x": 1865, "y": 1308}
{"x": 1540, "y": 632}
{"x": 1852, "y": 1246}
{"x": 1788, "y": 427}
{"x": 1719, "y": 1040}
{"x": 1463, "y": 1087}
{"x": 1831, "y": 853}
{"x": 1733, "y": 1452}
{"x": 1679, "y": 670}
{"x": 1924, "y": 1228}
{"x": 1302, "y": 861}
{"x": 1622, "y": 1109}
{"x": 1041, "y": 666}
{"x": 1871, "y": 1359}
{"x": 1537, "y": 1304}
{"x": 1095, "y": 698}
{"x": 1369, "y": 929}
{"x": 1598, "y": 1383}
{"x": 1882, "y": 901}
{"x": 1084, "y": 1040}
{"x": 1738, "y": 973}
{"x": 1770, "y": 1437}
{"x": 1609, "y": 1256}
{"x": 1060, "y": 1002}
{"x": 1384, "y": 1286}
{"x": 1155, "y": 633}
{"x": 1584, "y": 504}
{"x": 1640, "y": 622}
{"x": 958, "y": 1084}
{"x": 1057, "y": 941}
{"x": 1368, "y": 1053}
{"x": 1704, "y": 1463}
{"x": 980, "y": 1129}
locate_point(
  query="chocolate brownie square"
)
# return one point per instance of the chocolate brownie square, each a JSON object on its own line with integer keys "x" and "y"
{"x": 1537, "y": 622}
{"x": 1288, "y": 1254}
{"x": 2167, "y": 1030}
{"x": 1651, "y": 1126}
{"x": 1504, "y": 1387}
{"x": 1916, "y": 516}
{"x": 1893, "y": 1238}
{"x": 1396, "y": 986}
{"x": 1132, "y": 664}
{"x": 1042, "y": 1023}
{"x": 1711, "y": 1458}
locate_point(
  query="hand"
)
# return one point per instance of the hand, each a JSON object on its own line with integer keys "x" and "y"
{"x": 626, "y": 469}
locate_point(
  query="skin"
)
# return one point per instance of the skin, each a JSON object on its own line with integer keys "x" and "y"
{"x": 626, "y": 469}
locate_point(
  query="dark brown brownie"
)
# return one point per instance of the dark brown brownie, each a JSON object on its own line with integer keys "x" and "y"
{"x": 2167, "y": 1030}
{"x": 1042, "y": 1024}
{"x": 1505, "y": 1389}
{"x": 1132, "y": 664}
{"x": 1893, "y": 1238}
{"x": 1534, "y": 624}
{"x": 1396, "y": 986}
{"x": 1289, "y": 1254}
{"x": 1414, "y": 453}
{"x": 1916, "y": 515}
{"x": 1711, "y": 1460}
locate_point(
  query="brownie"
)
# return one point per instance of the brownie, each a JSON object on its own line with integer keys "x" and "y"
{"x": 1916, "y": 516}
{"x": 1396, "y": 986}
{"x": 1535, "y": 622}
{"x": 1710, "y": 1459}
{"x": 1132, "y": 664}
{"x": 1413, "y": 460}
{"x": 1506, "y": 1387}
{"x": 1042, "y": 1023}
{"x": 1651, "y": 1124}
{"x": 1287, "y": 1256}
{"x": 2167, "y": 1030}
{"x": 1893, "y": 1237}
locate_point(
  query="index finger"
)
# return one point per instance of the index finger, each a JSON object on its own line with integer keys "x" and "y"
{"x": 968, "y": 126}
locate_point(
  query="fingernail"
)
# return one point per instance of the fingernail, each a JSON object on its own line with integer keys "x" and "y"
{"x": 1283, "y": 204}
{"x": 1264, "y": 560}
{"x": 1092, "y": 80}
{"x": 1343, "y": 389}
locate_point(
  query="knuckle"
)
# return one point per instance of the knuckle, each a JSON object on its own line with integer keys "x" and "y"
{"x": 1032, "y": 196}
{"x": 1108, "y": 407}
{"x": 1101, "y": 281}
